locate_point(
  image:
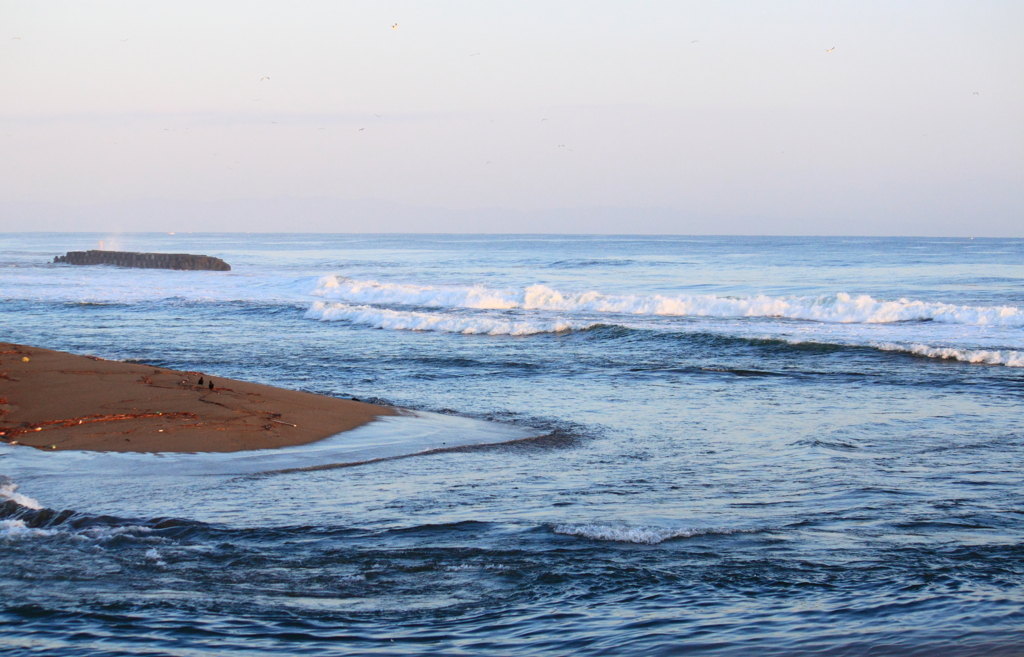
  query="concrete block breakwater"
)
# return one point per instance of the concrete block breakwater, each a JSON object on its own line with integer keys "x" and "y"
{"x": 144, "y": 260}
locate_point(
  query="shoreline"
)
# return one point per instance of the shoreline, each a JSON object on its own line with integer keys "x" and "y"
{"x": 53, "y": 400}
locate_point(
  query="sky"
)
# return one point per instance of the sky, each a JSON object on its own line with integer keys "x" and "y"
{"x": 778, "y": 118}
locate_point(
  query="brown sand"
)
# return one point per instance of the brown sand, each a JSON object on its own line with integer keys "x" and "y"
{"x": 55, "y": 400}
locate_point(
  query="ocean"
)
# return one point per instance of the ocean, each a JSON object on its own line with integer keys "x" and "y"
{"x": 781, "y": 445}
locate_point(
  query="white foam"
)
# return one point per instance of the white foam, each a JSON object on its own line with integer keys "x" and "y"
{"x": 7, "y": 492}
{"x": 103, "y": 533}
{"x": 352, "y": 578}
{"x": 462, "y": 567}
{"x": 421, "y": 321}
{"x": 373, "y": 292}
{"x": 839, "y": 308}
{"x": 18, "y": 529}
{"x": 154, "y": 556}
{"x": 986, "y": 356}
{"x": 638, "y": 534}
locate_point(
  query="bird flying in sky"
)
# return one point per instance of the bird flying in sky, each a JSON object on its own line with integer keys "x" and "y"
{"x": 831, "y": 49}
{"x": 395, "y": 26}
{"x": 267, "y": 77}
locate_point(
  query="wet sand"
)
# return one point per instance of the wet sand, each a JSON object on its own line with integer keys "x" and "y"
{"x": 56, "y": 400}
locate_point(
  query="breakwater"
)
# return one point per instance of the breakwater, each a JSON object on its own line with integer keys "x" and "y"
{"x": 144, "y": 260}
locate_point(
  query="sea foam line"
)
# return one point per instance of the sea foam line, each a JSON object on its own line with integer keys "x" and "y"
{"x": 638, "y": 534}
{"x": 838, "y": 308}
{"x": 421, "y": 321}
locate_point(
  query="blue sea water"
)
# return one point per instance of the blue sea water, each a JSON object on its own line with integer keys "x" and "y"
{"x": 781, "y": 445}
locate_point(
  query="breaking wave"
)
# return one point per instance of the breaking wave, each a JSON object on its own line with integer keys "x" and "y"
{"x": 14, "y": 528}
{"x": 19, "y": 529}
{"x": 838, "y": 308}
{"x": 1005, "y": 357}
{"x": 23, "y": 517}
{"x": 421, "y": 321}
{"x": 7, "y": 492}
{"x": 482, "y": 325}
{"x": 373, "y": 292}
{"x": 981, "y": 356}
{"x": 639, "y": 534}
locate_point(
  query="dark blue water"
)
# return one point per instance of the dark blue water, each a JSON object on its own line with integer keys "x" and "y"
{"x": 799, "y": 445}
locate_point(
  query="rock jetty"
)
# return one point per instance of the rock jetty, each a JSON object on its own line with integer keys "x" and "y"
{"x": 144, "y": 260}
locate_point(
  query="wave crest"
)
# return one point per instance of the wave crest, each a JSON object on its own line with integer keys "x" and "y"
{"x": 421, "y": 321}
{"x": 839, "y": 308}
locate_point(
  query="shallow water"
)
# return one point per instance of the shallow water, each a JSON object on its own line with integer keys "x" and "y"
{"x": 783, "y": 445}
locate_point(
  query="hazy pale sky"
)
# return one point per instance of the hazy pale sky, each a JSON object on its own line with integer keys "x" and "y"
{"x": 601, "y": 117}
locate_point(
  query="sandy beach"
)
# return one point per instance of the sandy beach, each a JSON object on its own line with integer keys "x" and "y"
{"x": 58, "y": 401}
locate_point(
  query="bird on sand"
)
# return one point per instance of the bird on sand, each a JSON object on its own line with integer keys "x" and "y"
{"x": 200, "y": 380}
{"x": 831, "y": 49}
{"x": 211, "y": 384}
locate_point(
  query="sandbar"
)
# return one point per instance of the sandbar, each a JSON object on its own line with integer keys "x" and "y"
{"x": 54, "y": 400}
